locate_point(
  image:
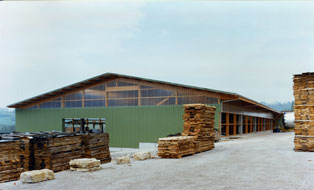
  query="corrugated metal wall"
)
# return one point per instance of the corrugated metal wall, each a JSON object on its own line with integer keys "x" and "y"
{"x": 127, "y": 126}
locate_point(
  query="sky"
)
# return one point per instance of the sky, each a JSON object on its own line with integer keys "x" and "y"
{"x": 252, "y": 48}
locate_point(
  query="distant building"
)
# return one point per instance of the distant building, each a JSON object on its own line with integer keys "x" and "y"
{"x": 137, "y": 109}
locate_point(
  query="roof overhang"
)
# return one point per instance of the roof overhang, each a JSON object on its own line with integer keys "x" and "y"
{"x": 107, "y": 76}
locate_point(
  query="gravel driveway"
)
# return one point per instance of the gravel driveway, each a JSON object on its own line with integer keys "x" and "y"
{"x": 256, "y": 161}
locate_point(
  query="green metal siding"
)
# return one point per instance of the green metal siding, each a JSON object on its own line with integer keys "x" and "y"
{"x": 127, "y": 126}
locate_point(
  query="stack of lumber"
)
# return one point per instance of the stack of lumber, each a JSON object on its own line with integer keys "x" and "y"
{"x": 304, "y": 111}
{"x": 54, "y": 151}
{"x": 176, "y": 147}
{"x": 96, "y": 145}
{"x": 199, "y": 122}
{"x": 14, "y": 158}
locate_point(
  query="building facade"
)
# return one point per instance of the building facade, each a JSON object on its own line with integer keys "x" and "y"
{"x": 138, "y": 110}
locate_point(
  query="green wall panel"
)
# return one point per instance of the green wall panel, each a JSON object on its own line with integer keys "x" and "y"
{"x": 127, "y": 126}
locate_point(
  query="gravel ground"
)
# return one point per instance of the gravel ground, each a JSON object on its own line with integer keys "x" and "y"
{"x": 256, "y": 161}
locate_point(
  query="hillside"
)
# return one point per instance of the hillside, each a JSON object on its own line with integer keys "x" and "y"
{"x": 7, "y": 120}
{"x": 280, "y": 106}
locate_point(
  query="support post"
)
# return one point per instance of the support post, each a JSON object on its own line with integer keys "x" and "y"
{"x": 234, "y": 124}
{"x": 246, "y": 124}
{"x": 241, "y": 124}
{"x": 227, "y": 124}
{"x": 139, "y": 97}
{"x": 251, "y": 126}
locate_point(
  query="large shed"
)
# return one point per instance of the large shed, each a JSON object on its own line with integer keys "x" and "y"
{"x": 138, "y": 110}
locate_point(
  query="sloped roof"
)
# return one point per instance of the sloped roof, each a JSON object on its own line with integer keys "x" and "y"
{"x": 107, "y": 76}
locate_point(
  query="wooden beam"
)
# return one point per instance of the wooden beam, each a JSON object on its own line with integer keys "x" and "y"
{"x": 139, "y": 97}
{"x": 219, "y": 125}
{"x": 106, "y": 95}
{"x": 251, "y": 124}
{"x": 259, "y": 124}
{"x": 163, "y": 101}
{"x": 122, "y": 88}
{"x": 176, "y": 92}
{"x": 83, "y": 98}
{"x": 246, "y": 124}
{"x": 227, "y": 124}
{"x": 234, "y": 124}
{"x": 171, "y": 87}
{"x": 65, "y": 93}
{"x": 62, "y": 101}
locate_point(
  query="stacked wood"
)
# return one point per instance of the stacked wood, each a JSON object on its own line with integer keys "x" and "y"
{"x": 14, "y": 159}
{"x": 304, "y": 111}
{"x": 56, "y": 151}
{"x": 304, "y": 143}
{"x": 199, "y": 122}
{"x": 176, "y": 147}
{"x": 96, "y": 145}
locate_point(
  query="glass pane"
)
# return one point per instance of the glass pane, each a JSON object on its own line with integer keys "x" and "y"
{"x": 156, "y": 93}
{"x": 170, "y": 101}
{"x": 33, "y": 107}
{"x": 112, "y": 84}
{"x": 95, "y": 103}
{"x": 75, "y": 96}
{"x": 151, "y": 101}
{"x": 145, "y": 87}
{"x": 73, "y": 104}
{"x": 50, "y": 105}
{"x": 122, "y": 102}
{"x": 121, "y": 83}
{"x": 123, "y": 94}
{"x": 208, "y": 100}
{"x": 96, "y": 92}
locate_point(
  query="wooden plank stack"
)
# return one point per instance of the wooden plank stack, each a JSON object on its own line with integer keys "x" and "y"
{"x": 49, "y": 150}
{"x": 199, "y": 122}
{"x": 56, "y": 151}
{"x": 198, "y": 133}
{"x": 96, "y": 145}
{"x": 175, "y": 147}
{"x": 304, "y": 111}
{"x": 14, "y": 159}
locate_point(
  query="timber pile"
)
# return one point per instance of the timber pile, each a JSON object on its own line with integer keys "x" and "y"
{"x": 175, "y": 147}
{"x": 49, "y": 150}
{"x": 198, "y": 133}
{"x": 14, "y": 158}
{"x": 55, "y": 151}
{"x": 96, "y": 145}
{"x": 304, "y": 111}
{"x": 199, "y": 122}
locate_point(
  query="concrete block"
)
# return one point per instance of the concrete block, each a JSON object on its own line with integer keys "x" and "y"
{"x": 123, "y": 160}
{"x": 85, "y": 163}
{"x": 142, "y": 156}
{"x": 36, "y": 176}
